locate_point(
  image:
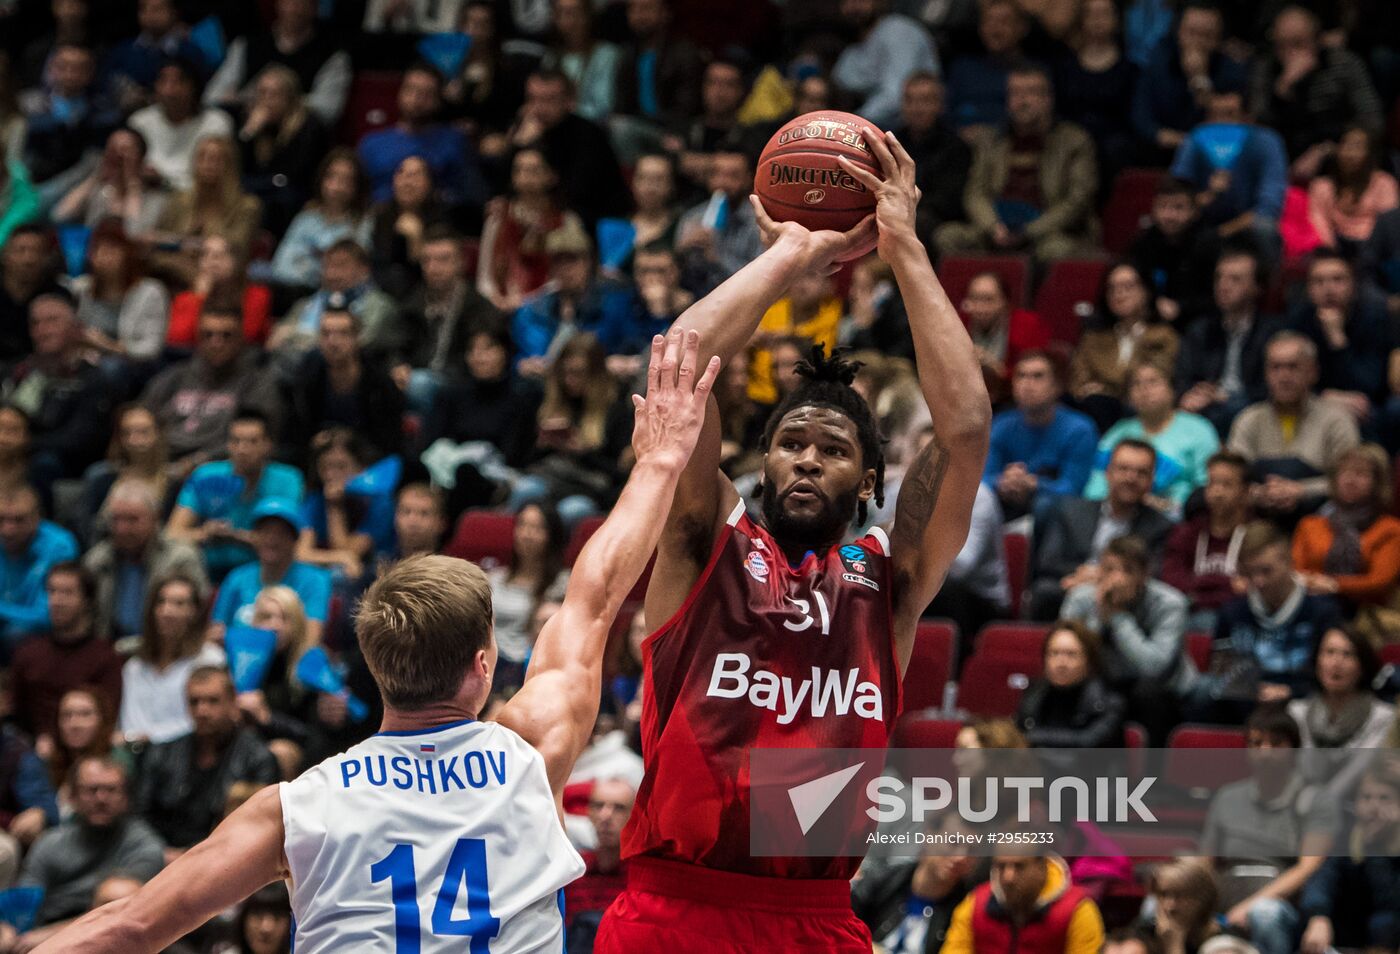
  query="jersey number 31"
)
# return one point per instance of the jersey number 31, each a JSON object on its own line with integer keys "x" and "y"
{"x": 466, "y": 867}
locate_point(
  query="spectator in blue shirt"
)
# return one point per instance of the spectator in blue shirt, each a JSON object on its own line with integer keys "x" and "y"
{"x": 277, "y": 524}
{"x": 573, "y": 301}
{"x": 68, "y": 120}
{"x": 344, "y": 529}
{"x": 1240, "y": 195}
{"x": 977, "y": 84}
{"x": 1040, "y": 450}
{"x": 446, "y": 150}
{"x": 29, "y": 547}
{"x": 1179, "y": 77}
{"x": 131, "y": 68}
{"x": 216, "y": 505}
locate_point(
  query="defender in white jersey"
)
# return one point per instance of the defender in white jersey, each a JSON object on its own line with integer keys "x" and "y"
{"x": 440, "y": 833}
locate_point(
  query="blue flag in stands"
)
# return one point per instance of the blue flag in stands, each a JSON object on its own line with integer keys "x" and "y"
{"x": 19, "y": 906}
{"x": 250, "y": 651}
{"x": 616, "y": 238}
{"x": 380, "y": 479}
{"x": 447, "y": 51}
{"x": 73, "y": 239}
{"x": 208, "y": 37}
{"x": 315, "y": 671}
{"x": 1222, "y": 143}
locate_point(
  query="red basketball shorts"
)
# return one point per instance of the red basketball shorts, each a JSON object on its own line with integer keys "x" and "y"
{"x": 675, "y": 908}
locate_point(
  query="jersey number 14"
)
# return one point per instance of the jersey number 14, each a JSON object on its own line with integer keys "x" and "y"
{"x": 465, "y": 868}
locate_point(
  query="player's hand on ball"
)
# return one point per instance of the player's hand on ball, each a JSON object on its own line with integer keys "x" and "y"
{"x": 823, "y": 249}
{"x": 896, "y": 195}
{"x": 669, "y": 418}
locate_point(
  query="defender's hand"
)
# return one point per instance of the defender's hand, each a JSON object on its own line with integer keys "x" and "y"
{"x": 669, "y": 418}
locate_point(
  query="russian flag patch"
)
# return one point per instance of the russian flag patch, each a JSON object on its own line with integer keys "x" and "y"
{"x": 428, "y": 747}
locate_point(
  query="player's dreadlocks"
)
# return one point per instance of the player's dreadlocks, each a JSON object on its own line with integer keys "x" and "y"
{"x": 827, "y": 383}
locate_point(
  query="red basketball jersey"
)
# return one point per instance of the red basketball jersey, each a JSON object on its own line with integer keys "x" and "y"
{"x": 760, "y": 655}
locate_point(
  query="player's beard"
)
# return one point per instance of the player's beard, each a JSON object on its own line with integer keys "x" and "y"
{"x": 813, "y": 532}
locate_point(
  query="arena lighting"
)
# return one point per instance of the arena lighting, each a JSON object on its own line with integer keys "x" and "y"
{"x": 1112, "y": 800}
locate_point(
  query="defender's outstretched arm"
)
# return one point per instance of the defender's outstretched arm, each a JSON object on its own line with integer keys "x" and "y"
{"x": 242, "y": 855}
{"x": 556, "y": 708}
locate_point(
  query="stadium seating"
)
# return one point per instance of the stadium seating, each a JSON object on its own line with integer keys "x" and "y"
{"x": 1198, "y": 648}
{"x": 1129, "y": 205}
{"x": 992, "y": 687}
{"x": 373, "y": 103}
{"x": 483, "y": 536}
{"x": 585, "y": 529}
{"x": 1391, "y": 654}
{"x": 1015, "y": 642}
{"x": 1069, "y": 287}
{"x": 957, "y": 271}
{"x": 918, "y": 731}
{"x": 931, "y": 666}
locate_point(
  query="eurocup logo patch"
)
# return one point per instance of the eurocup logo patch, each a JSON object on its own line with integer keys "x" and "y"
{"x": 757, "y": 566}
{"x": 854, "y": 557}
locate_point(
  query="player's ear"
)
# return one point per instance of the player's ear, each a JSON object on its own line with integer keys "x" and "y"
{"x": 867, "y": 484}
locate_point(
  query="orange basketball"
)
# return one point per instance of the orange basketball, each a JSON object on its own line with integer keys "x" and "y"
{"x": 799, "y": 179}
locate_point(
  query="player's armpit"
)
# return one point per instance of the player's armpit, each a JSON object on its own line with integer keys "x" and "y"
{"x": 931, "y": 520}
{"x": 242, "y": 855}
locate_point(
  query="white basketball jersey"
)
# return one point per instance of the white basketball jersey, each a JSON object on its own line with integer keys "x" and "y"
{"x": 445, "y": 839}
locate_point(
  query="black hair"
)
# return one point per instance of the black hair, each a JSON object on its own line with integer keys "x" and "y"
{"x": 827, "y": 383}
{"x": 1272, "y": 719}
{"x": 1175, "y": 186}
{"x": 86, "y": 581}
{"x": 1367, "y": 660}
{"x": 252, "y": 415}
{"x": 192, "y": 72}
{"x": 1103, "y": 318}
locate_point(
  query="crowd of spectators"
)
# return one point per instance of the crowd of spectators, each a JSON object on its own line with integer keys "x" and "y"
{"x": 287, "y": 288}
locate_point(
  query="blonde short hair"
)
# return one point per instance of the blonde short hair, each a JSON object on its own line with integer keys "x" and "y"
{"x": 420, "y": 626}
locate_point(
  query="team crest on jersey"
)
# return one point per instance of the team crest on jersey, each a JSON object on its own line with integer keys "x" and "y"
{"x": 757, "y": 566}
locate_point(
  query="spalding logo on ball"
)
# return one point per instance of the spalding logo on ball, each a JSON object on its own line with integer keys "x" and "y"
{"x": 799, "y": 180}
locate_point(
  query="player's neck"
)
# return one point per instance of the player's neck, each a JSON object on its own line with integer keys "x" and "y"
{"x": 415, "y": 720}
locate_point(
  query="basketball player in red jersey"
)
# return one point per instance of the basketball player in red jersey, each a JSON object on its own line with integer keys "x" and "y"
{"x": 774, "y": 634}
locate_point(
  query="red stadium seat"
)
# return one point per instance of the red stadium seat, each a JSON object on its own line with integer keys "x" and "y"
{"x": 931, "y": 666}
{"x": 1391, "y": 654}
{"x": 1134, "y": 736}
{"x": 1128, "y": 207}
{"x": 957, "y": 271}
{"x": 1206, "y": 737}
{"x": 1014, "y": 642}
{"x": 483, "y": 536}
{"x": 1198, "y": 647}
{"x": 1017, "y": 549}
{"x": 471, "y": 255}
{"x": 585, "y": 529}
{"x": 992, "y": 687}
{"x": 1069, "y": 286}
{"x": 373, "y": 103}
{"x": 917, "y": 731}
{"x": 1183, "y": 768}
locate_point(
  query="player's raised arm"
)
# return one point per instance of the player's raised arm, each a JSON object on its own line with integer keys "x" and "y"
{"x": 556, "y": 708}
{"x": 242, "y": 855}
{"x": 726, "y": 319}
{"x": 935, "y": 500}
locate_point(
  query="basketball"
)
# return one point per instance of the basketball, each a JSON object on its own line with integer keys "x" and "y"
{"x": 799, "y": 179}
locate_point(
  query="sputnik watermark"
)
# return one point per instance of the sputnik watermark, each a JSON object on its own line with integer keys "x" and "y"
{"x": 1113, "y": 799}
